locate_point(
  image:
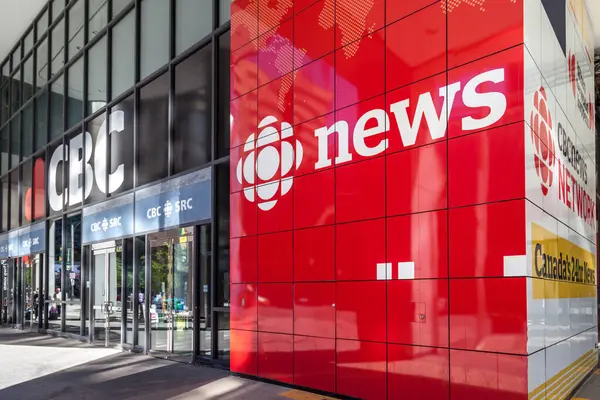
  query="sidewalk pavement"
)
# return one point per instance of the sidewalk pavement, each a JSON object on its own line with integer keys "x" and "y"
{"x": 36, "y": 367}
{"x": 590, "y": 389}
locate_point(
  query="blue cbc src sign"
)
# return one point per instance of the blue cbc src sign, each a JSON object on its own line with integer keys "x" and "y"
{"x": 184, "y": 205}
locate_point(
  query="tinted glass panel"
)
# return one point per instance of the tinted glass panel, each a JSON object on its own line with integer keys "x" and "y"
{"x": 76, "y": 28}
{"x": 42, "y": 24}
{"x": 27, "y": 135}
{"x": 193, "y": 22}
{"x": 75, "y": 93}
{"x": 222, "y": 235}
{"x": 26, "y": 184}
{"x": 223, "y": 122}
{"x": 153, "y": 131}
{"x": 224, "y": 11}
{"x": 15, "y": 93}
{"x": 191, "y": 141}
{"x": 5, "y": 191}
{"x": 39, "y": 196}
{"x": 5, "y": 155}
{"x": 41, "y": 120}
{"x": 14, "y": 199}
{"x": 123, "y": 55}
{"x": 54, "y": 274}
{"x": 5, "y": 103}
{"x": 56, "y": 108}
{"x": 15, "y": 142}
{"x": 154, "y": 46}
{"x": 41, "y": 75}
{"x": 121, "y": 145}
{"x": 72, "y": 287}
{"x": 98, "y": 17}
{"x": 94, "y": 127}
{"x": 28, "y": 79}
{"x": 58, "y": 46}
{"x": 97, "y": 77}
{"x": 57, "y": 7}
{"x": 28, "y": 42}
{"x": 118, "y": 6}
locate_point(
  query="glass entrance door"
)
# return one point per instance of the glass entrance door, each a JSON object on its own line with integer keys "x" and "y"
{"x": 31, "y": 291}
{"x": 171, "y": 301}
{"x": 105, "y": 321}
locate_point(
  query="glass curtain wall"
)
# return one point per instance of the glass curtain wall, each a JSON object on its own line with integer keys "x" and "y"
{"x": 139, "y": 86}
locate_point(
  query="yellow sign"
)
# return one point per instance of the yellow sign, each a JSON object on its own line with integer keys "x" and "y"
{"x": 565, "y": 269}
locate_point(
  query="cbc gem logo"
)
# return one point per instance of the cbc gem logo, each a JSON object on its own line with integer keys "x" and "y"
{"x": 541, "y": 136}
{"x": 268, "y": 163}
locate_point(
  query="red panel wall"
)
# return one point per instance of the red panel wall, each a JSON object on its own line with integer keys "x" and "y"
{"x": 377, "y": 182}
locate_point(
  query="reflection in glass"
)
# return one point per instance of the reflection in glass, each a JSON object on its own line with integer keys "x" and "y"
{"x": 5, "y": 209}
{"x": 5, "y": 99}
{"x": 42, "y": 23}
{"x": 56, "y": 108}
{"x": 222, "y": 221}
{"x": 153, "y": 128}
{"x": 98, "y": 17}
{"x": 28, "y": 42}
{"x": 39, "y": 199}
{"x": 161, "y": 294}
{"x": 193, "y": 21}
{"x": 154, "y": 46}
{"x": 118, "y": 6}
{"x": 205, "y": 303}
{"x": 31, "y": 294}
{"x": 72, "y": 287}
{"x": 15, "y": 202}
{"x": 15, "y": 92}
{"x": 41, "y": 75}
{"x": 4, "y": 154}
{"x": 223, "y": 335}
{"x": 223, "y": 121}
{"x": 75, "y": 93}
{"x": 57, "y": 46}
{"x": 224, "y": 11}
{"x": 132, "y": 298}
{"x": 27, "y": 134}
{"x": 123, "y": 55}
{"x": 75, "y": 28}
{"x": 28, "y": 79}
{"x": 15, "y": 141}
{"x": 96, "y": 76}
{"x": 54, "y": 269}
{"x": 26, "y": 183}
{"x": 41, "y": 120}
{"x": 140, "y": 259}
{"x": 192, "y": 138}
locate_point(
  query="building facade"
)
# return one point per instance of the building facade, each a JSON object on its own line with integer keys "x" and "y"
{"x": 413, "y": 197}
{"x": 376, "y": 199}
{"x": 114, "y": 173}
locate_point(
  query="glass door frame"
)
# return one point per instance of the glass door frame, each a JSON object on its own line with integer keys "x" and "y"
{"x": 105, "y": 248}
{"x": 37, "y": 326}
{"x": 187, "y": 358}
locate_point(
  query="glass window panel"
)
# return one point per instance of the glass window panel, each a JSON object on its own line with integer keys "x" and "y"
{"x": 223, "y": 345}
{"x": 121, "y": 142}
{"x": 193, "y": 22}
{"x": 14, "y": 199}
{"x": 118, "y": 6}
{"x": 76, "y": 16}
{"x": 223, "y": 113}
{"x": 97, "y": 76}
{"x": 224, "y": 11}
{"x": 41, "y": 75}
{"x": 72, "y": 280}
{"x": 125, "y": 261}
{"x": 27, "y": 141}
{"x": 222, "y": 221}
{"x": 41, "y": 120}
{"x": 42, "y": 24}
{"x": 5, "y": 103}
{"x": 4, "y": 155}
{"x": 123, "y": 55}
{"x": 192, "y": 134}
{"x": 54, "y": 272}
{"x": 15, "y": 92}
{"x": 55, "y": 179}
{"x": 58, "y": 46}
{"x": 28, "y": 79}
{"x": 93, "y": 127}
{"x": 15, "y": 141}
{"x": 154, "y": 48}
{"x": 140, "y": 259}
{"x": 26, "y": 185}
{"x": 153, "y": 131}
{"x": 4, "y": 217}
{"x": 98, "y": 17}
{"x": 75, "y": 93}
{"x": 56, "y": 108}
{"x": 16, "y": 57}
{"x": 57, "y": 7}
{"x": 5, "y": 73}
{"x": 39, "y": 200}
{"x": 28, "y": 42}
